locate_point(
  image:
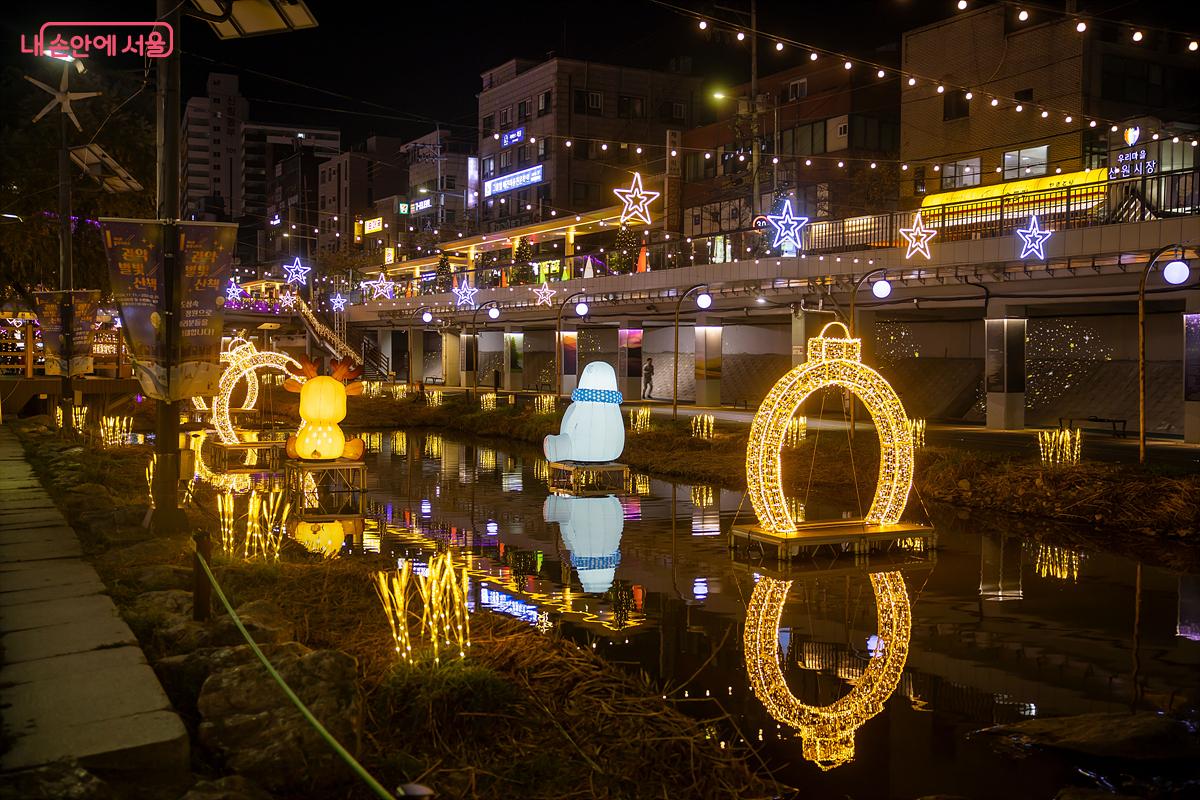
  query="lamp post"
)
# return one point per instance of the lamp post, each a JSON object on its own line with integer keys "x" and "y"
{"x": 881, "y": 289}
{"x": 493, "y": 309}
{"x": 425, "y": 314}
{"x": 581, "y": 309}
{"x": 1175, "y": 273}
{"x": 703, "y": 300}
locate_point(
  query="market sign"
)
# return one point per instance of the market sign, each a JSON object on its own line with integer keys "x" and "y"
{"x": 373, "y": 225}
{"x": 389, "y": 255}
{"x": 1131, "y": 157}
{"x": 512, "y": 137}
{"x": 422, "y": 205}
{"x": 516, "y": 180}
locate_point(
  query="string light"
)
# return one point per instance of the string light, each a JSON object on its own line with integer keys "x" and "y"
{"x": 833, "y": 361}
{"x": 827, "y": 732}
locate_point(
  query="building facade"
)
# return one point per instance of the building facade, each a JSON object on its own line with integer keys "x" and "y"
{"x": 560, "y": 135}
{"x": 350, "y": 183}
{"x": 443, "y": 180}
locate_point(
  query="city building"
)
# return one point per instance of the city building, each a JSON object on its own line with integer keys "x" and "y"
{"x": 350, "y": 183}
{"x": 995, "y": 98}
{"x": 828, "y": 139}
{"x": 443, "y": 179}
{"x": 560, "y": 134}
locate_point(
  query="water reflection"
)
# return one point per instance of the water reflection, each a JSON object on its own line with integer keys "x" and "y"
{"x": 591, "y": 530}
{"x": 828, "y": 731}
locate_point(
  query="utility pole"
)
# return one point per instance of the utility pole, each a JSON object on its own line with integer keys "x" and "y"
{"x": 754, "y": 145}
{"x": 66, "y": 266}
{"x": 168, "y": 517}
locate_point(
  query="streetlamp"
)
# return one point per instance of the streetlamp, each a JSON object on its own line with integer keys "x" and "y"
{"x": 493, "y": 310}
{"x": 426, "y": 315}
{"x": 1176, "y": 272}
{"x": 703, "y": 301}
{"x": 581, "y": 310}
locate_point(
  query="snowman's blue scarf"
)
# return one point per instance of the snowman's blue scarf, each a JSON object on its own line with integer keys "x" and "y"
{"x": 596, "y": 396}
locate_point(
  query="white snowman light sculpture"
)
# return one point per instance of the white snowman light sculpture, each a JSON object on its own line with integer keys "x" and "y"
{"x": 592, "y": 429}
{"x": 591, "y": 529}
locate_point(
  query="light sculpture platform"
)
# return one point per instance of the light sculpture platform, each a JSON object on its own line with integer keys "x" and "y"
{"x": 833, "y": 362}
{"x": 827, "y": 732}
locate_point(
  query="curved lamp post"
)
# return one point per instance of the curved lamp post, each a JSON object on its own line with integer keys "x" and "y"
{"x": 703, "y": 300}
{"x": 425, "y": 314}
{"x": 581, "y": 309}
{"x": 1176, "y": 272}
{"x": 493, "y": 309}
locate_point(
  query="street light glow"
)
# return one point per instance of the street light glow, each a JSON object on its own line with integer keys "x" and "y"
{"x": 881, "y": 288}
{"x": 493, "y": 313}
{"x": 426, "y": 317}
{"x": 704, "y": 300}
{"x": 581, "y": 309}
{"x": 1176, "y": 272}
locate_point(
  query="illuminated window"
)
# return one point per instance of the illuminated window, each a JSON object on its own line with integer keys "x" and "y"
{"x": 1026, "y": 163}
{"x": 543, "y": 103}
{"x": 506, "y": 118}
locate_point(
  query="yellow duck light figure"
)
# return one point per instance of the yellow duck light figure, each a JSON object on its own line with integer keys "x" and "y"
{"x": 322, "y": 407}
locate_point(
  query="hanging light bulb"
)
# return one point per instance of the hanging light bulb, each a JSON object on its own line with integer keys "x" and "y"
{"x": 881, "y": 288}
{"x": 704, "y": 300}
{"x": 779, "y": 46}
{"x": 1176, "y": 272}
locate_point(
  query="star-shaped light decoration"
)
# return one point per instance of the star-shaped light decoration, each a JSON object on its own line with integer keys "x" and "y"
{"x": 381, "y": 288}
{"x": 637, "y": 201}
{"x": 288, "y": 300}
{"x": 338, "y": 302}
{"x": 1033, "y": 239}
{"x": 544, "y": 294}
{"x": 297, "y": 273}
{"x": 464, "y": 295}
{"x": 233, "y": 291}
{"x": 918, "y": 237}
{"x": 787, "y": 226}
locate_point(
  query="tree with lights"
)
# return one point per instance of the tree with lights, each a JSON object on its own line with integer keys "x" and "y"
{"x": 444, "y": 277}
{"x": 623, "y": 257}
{"x": 522, "y": 268}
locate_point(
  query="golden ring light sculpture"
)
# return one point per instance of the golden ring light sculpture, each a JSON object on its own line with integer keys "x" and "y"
{"x": 827, "y": 732}
{"x": 832, "y": 361}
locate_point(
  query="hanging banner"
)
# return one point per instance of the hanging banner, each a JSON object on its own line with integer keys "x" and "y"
{"x": 84, "y": 305}
{"x": 135, "y": 265}
{"x": 205, "y": 257}
{"x": 50, "y": 320}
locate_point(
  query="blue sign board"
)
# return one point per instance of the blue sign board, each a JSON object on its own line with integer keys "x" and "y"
{"x": 515, "y": 180}
{"x": 512, "y": 137}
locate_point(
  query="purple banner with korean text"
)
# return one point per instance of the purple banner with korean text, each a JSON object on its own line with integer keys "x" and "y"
{"x": 135, "y": 266}
{"x": 50, "y": 320}
{"x": 205, "y": 258}
{"x": 84, "y": 305}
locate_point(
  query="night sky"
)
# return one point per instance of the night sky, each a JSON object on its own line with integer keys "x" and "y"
{"x": 396, "y": 68}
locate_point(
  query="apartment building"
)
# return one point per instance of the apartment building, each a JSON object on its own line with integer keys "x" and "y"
{"x": 350, "y": 183}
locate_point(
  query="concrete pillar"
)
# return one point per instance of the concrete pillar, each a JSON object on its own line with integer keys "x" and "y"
{"x": 630, "y": 359}
{"x": 570, "y": 365}
{"x": 708, "y": 360}
{"x": 569, "y": 244}
{"x": 800, "y": 337}
{"x": 448, "y": 357}
{"x": 514, "y": 358}
{"x": 538, "y": 365}
{"x": 1004, "y": 366}
{"x": 416, "y": 354}
{"x": 1191, "y": 369}
{"x": 383, "y": 336}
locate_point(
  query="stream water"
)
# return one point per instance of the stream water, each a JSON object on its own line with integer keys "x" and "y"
{"x": 1004, "y": 627}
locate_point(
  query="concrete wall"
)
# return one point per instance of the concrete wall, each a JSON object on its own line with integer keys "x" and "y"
{"x": 754, "y": 357}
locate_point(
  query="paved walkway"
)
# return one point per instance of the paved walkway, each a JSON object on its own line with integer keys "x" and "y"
{"x": 73, "y": 680}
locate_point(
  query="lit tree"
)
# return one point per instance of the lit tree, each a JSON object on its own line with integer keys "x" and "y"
{"x": 522, "y": 268}
{"x": 444, "y": 279}
{"x": 623, "y": 257}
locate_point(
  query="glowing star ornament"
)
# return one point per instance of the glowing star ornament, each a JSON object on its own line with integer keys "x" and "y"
{"x": 338, "y": 302}
{"x": 918, "y": 237}
{"x": 544, "y": 294}
{"x": 382, "y": 288}
{"x": 233, "y": 291}
{"x": 637, "y": 201}
{"x": 287, "y": 300}
{"x": 296, "y": 272}
{"x": 464, "y": 295}
{"x": 787, "y": 227}
{"x": 1033, "y": 240}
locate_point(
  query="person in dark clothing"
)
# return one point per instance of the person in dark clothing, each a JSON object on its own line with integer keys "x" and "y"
{"x": 648, "y": 380}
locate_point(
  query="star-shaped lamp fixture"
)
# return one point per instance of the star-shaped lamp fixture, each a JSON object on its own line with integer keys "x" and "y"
{"x": 382, "y": 288}
{"x": 787, "y": 226}
{"x": 918, "y": 237}
{"x": 338, "y": 302}
{"x": 233, "y": 291}
{"x": 464, "y": 295}
{"x": 1033, "y": 239}
{"x": 637, "y": 201}
{"x": 544, "y": 294}
{"x": 288, "y": 300}
{"x": 296, "y": 272}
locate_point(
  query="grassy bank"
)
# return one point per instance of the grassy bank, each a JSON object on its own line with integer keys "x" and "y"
{"x": 525, "y": 715}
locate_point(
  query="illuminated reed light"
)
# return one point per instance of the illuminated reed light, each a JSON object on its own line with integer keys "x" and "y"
{"x": 433, "y": 446}
{"x": 917, "y": 428}
{"x": 637, "y": 483}
{"x": 545, "y": 404}
{"x": 833, "y": 361}
{"x": 703, "y": 426}
{"x": 225, "y": 511}
{"x": 399, "y": 443}
{"x": 487, "y": 459}
{"x": 79, "y": 416}
{"x": 487, "y": 401}
{"x": 372, "y": 388}
{"x": 264, "y": 524}
{"x": 639, "y": 420}
{"x": 115, "y": 431}
{"x": 434, "y": 398}
{"x": 1060, "y": 563}
{"x": 445, "y": 620}
{"x": 58, "y": 417}
{"x": 150, "y": 466}
{"x": 702, "y": 496}
{"x": 541, "y": 470}
{"x": 827, "y": 732}
{"x": 797, "y": 431}
{"x": 399, "y": 391}
{"x": 1060, "y": 447}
